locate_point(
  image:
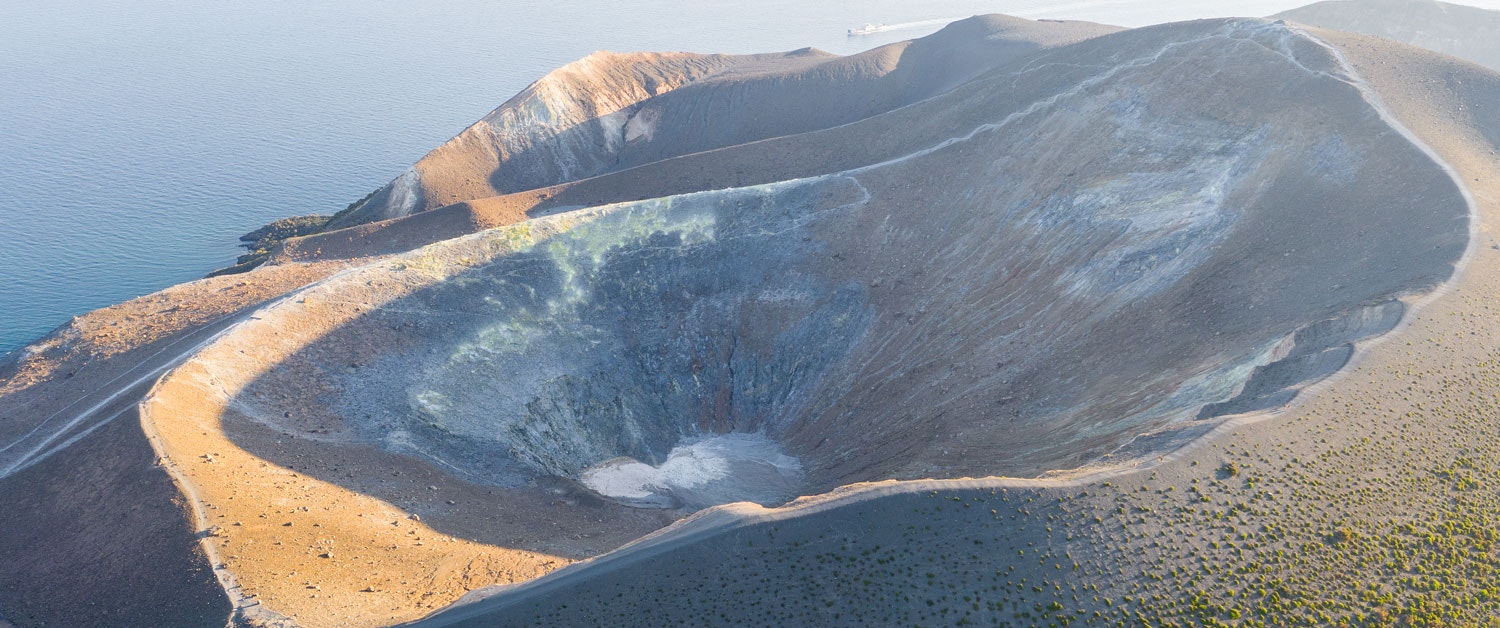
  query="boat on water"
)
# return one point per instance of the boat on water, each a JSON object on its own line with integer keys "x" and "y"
{"x": 866, "y": 29}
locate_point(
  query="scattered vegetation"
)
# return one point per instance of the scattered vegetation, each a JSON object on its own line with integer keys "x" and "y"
{"x": 264, "y": 238}
{"x": 262, "y": 241}
{"x": 1374, "y": 510}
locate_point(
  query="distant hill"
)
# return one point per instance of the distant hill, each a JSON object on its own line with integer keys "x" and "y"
{"x": 1469, "y": 33}
{"x": 612, "y": 111}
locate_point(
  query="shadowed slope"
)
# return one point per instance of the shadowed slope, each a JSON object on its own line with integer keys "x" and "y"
{"x": 96, "y": 536}
{"x": 92, "y": 531}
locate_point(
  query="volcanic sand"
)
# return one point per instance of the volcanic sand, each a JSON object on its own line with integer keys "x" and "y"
{"x": 333, "y": 556}
{"x": 97, "y": 534}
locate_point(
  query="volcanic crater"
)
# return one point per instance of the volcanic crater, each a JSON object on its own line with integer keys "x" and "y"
{"x": 1083, "y": 254}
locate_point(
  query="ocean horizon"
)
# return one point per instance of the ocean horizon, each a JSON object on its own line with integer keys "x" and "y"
{"x": 142, "y": 144}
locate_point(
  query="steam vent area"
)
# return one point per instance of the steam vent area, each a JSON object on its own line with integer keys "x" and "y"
{"x": 654, "y": 284}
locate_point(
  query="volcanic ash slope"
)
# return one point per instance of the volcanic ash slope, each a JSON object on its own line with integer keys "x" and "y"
{"x": 1143, "y": 233}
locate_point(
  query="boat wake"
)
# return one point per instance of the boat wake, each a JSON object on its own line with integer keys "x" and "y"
{"x": 871, "y": 29}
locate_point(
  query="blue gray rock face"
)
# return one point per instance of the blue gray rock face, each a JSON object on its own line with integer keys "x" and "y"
{"x": 618, "y": 337}
{"x": 1103, "y": 247}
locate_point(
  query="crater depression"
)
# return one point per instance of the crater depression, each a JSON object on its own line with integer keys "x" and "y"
{"x": 1084, "y": 252}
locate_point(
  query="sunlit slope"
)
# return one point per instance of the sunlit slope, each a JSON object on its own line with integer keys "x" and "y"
{"x": 1466, "y": 32}
{"x": 612, "y": 111}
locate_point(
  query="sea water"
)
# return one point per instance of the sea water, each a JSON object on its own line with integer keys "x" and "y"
{"x": 140, "y": 138}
